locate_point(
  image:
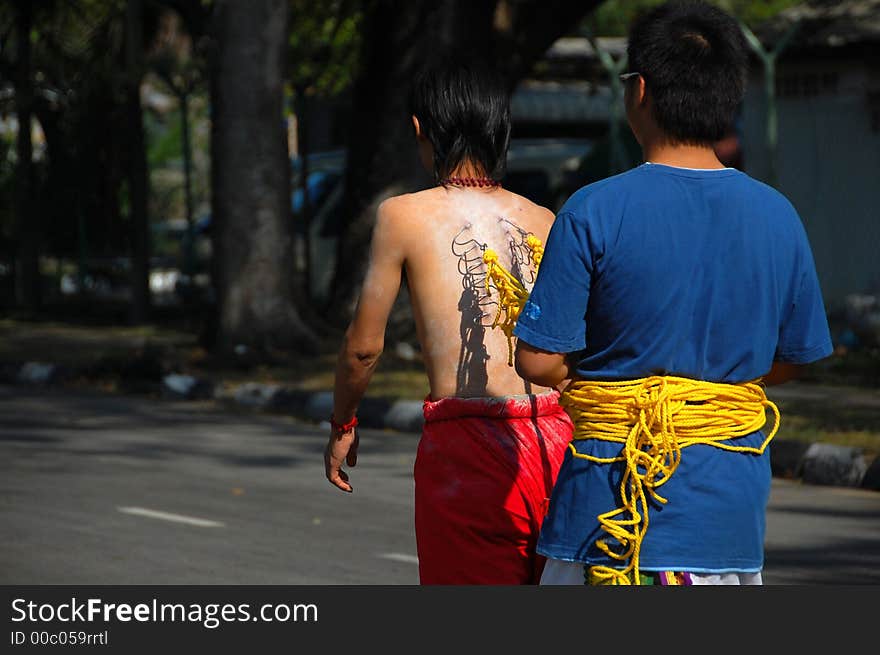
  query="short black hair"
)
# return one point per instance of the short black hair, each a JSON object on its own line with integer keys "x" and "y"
{"x": 693, "y": 58}
{"x": 463, "y": 108}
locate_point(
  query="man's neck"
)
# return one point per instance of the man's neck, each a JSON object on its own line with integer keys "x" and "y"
{"x": 681, "y": 155}
{"x": 468, "y": 169}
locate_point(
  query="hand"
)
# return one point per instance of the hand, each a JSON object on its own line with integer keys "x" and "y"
{"x": 342, "y": 447}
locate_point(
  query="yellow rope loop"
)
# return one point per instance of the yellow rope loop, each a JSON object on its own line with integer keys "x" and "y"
{"x": 537, "y": 248}
{"x": 653, "y": 419}
{"x": 512, "y": 295}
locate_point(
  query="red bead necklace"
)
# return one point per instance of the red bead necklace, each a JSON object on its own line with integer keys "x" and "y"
{"x": 470, "y": 182}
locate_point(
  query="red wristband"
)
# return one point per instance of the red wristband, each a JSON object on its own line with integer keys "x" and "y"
{"x": 343, "y": 427}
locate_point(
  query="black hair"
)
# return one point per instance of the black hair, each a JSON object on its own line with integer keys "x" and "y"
{"x": 693, "y": 58}
{"x": 464, "y": 111}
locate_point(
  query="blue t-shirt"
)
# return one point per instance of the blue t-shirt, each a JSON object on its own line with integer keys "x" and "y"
{"x": 705, "y": 274}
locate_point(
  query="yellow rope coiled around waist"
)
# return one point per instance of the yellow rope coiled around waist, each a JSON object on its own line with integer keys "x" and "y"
{"x": 653, "y": 419}
{"x": 512, "y": 295}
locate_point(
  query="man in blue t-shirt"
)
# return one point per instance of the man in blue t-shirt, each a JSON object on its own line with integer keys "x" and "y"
{"x": 664, "y": 294}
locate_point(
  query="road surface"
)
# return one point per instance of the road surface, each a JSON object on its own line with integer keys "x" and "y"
{"x": 109, "y": 489}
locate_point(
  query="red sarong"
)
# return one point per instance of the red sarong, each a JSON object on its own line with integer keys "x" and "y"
{"x": 484, "y": 471}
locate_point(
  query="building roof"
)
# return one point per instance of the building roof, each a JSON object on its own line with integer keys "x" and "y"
{"x": 578, "y": 46}
{"x": 826, "y": 24}
{"x": 573, "y": 58}
{"x": 822, "y": 24}
{"x": 571, "y": 102}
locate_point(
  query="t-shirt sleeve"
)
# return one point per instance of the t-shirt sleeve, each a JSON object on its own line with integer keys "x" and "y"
{"x": 804, "y": 336}
{"x": 553, "y": 318}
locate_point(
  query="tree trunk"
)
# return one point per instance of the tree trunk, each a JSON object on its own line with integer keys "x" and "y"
{"x": 252, "y": 227}
{"x": 27, "y": 274}
{"x": 137, "y": 166}
{"x": 399, "y": 38}
{"x": 189, "y": 245}
{"x": 532, "y": 27}
{"x": 302, "y": 142}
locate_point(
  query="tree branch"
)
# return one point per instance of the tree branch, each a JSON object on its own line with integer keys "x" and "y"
{"x": 536, "y": 25}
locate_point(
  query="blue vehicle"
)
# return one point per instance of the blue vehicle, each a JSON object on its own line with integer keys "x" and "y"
{"x": 325, "y": 172}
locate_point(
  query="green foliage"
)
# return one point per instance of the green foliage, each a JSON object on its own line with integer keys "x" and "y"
{"x": 164, "y": 140}
{"x": 324, "y": 44}
{"x": 163, "y": 132}
{"x": 613, "y": 17}
{"x": 752, "y": 12}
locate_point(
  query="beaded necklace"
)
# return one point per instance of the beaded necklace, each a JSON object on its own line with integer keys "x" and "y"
{"x": 470, "y": 182}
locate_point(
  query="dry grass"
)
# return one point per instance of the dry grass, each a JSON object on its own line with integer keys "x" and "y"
{"x": 846, "y": 416}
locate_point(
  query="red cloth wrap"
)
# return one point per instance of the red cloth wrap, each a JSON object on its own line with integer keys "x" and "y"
{"x": 484, "y": 471}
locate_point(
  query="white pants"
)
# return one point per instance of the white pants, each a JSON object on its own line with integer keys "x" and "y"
{"x": 557, "y": 572}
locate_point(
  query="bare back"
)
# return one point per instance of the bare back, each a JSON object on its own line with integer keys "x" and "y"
{"x": 443, "y": 234}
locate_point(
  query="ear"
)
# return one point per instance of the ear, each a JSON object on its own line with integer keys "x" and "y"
{"x": 641, "y": 91}
{"x": 417, "y": 126}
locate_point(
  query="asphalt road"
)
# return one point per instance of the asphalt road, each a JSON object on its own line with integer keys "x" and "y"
{"x": 104, "y": 489}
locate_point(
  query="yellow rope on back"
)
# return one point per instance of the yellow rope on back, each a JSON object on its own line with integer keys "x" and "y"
{"x": 512, "y": 295}
{"x": 654, "y": 418}
{"x": 537, "y": 248}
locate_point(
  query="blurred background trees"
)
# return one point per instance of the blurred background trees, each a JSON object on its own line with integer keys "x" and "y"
{"x": 614, "y": 16}
{"x": 217, "y": 163}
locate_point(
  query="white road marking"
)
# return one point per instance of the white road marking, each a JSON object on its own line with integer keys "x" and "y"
{"x": 166, "y": 516}
{"x": 400, "y": 557}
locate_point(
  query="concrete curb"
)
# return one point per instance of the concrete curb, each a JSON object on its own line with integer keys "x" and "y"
{"x": 317, "y": 406}
{"x": 813, "y": 463}
{"x": 829, "y": 464}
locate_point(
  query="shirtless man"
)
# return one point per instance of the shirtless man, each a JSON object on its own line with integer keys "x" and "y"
{"x": 492, "y": 443}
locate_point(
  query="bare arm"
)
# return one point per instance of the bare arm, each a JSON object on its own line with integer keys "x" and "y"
{"x": 782, "y": 372}
{"x": 540, "y": 367}
{"x": 363, "y": 342}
